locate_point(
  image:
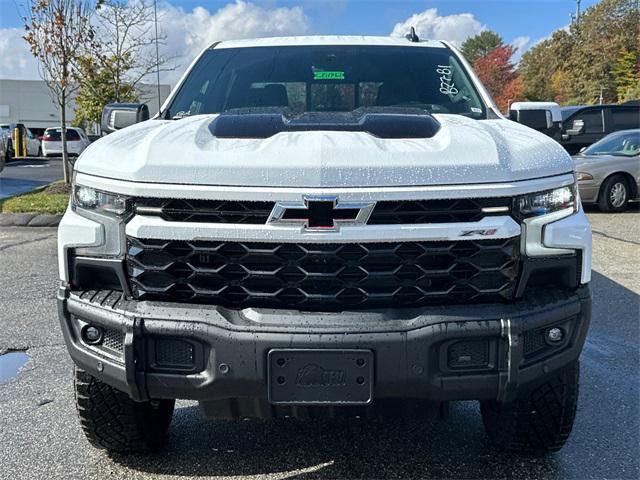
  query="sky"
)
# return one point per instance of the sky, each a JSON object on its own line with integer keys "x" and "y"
{"x": 191, "y": 25}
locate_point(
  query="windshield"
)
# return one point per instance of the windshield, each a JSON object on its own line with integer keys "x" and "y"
{"x": 623, "y": 144}
{"x": 327, "y": 79}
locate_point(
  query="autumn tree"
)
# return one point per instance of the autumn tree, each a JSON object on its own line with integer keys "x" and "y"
{"x": 58, "y": 31}
{"x": 539, "y": 65}
{"x": 497, "y": 73}
{"x": 597, "y": 57}
{"x": 481, "y": 45}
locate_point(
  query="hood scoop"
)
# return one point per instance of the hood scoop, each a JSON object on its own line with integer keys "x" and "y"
{"x": 379, "y": 122}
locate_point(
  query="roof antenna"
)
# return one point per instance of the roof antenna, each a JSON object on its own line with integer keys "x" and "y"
{"x": 412, "y": 36}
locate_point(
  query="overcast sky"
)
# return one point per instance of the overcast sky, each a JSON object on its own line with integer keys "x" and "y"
{"x": 191, "y": 25}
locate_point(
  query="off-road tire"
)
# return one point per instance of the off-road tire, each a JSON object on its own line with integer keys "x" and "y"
{"x": 540, "y": 421}
{"x": 111, "y": 420}
{"x": 604, "y": 199}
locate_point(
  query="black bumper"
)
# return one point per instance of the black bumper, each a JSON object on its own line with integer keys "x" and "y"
{"x": 163, "y": 350}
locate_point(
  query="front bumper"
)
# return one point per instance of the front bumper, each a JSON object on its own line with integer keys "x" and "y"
{"x": 417, "y": 353}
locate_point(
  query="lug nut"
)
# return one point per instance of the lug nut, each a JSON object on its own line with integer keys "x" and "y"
{"x": 92, "y": 335}
{"x": 554, "y": 334}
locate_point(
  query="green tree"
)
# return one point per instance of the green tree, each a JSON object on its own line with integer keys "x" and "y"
{"x": 626, "y": 73}
{"x": 481, "y": 45}
{"x": 539, "y": 65}
{"x": 98, "y": 88}
{"x": 605, "y": 29}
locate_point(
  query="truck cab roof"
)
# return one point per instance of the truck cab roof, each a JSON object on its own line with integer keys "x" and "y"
{"x": 326, "y": 40}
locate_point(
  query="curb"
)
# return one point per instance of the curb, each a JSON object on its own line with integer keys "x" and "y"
{"x": 29, "y": 220}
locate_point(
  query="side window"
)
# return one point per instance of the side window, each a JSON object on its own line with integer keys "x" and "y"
{"x": 593, "y": 121}
{"x": 625, "y": 118}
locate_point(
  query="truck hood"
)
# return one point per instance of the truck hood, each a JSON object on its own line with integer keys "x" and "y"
{"x": 463, "y": 151}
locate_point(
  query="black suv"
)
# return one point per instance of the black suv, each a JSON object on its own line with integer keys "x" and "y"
{"x": 576, "y": 127}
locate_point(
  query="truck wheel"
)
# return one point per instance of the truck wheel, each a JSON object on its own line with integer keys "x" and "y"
{"x": 539, "y": 421}
{"x": 614, "y": 194}
{"x": 111, "y": 420}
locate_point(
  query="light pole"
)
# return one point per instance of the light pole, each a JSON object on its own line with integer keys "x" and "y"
{"x": 155, "y": 21}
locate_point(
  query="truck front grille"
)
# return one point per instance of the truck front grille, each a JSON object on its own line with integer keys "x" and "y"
{"x": 405, "y": 212}
{"x": 409, "y": 212}
{"x": 323, "y": 277}
{"x": 207, "y": 211}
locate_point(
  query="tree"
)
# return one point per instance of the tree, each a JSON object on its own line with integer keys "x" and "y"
{"x": 597, "y": 57}
{"x": 626, "y": 73}
{"x": 512, "y": 92}
{"x": 540, "y": 64}
{"x": 560, "y": 82}
{"x": 605, "y": 29}
{"x": 124, "y": 57}
{"x": 127, "y": 48}
{"x": 481, "y": 45}
{"x": 58, "y": 31}
{"x": 97, "y": 89}
{"x": 496, "y": 72}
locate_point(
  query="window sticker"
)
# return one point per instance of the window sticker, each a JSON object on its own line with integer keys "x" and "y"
{"x": 328, "y": 75}
{"x": 447, "y": 86}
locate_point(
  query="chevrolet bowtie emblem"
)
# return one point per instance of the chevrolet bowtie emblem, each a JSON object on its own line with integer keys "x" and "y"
{"x": 321, "y": 213}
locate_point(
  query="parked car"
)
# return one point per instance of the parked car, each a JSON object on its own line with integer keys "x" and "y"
{"x": 3, "y": 155}
{"x": 318, "y": 226}
{"x": 608, "y": 171}
{"x": 7, "y": 141}
{"x": 32, "y": 142}
{"x": 576, "y": 127}
{"x": 77, "y": 141}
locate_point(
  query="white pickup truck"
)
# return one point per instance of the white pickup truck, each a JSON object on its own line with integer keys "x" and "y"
{"x": 314, "y": 225}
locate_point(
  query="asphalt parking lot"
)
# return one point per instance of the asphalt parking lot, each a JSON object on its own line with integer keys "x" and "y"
{"x": 24, "y": 175}
{"x": 40, "y": 436}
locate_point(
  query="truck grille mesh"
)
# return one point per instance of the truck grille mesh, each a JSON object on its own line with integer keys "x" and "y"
{"x": 257, "y": 213}
{"x": 435, "y": 211}
{"x": 207, "y": 211}
{"x": 323, "y": 277}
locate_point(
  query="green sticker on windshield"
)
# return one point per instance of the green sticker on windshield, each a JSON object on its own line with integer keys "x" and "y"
{"x": 328, "y": 75}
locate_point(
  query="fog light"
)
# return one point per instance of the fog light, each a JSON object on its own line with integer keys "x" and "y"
{"x": 92, "y": 335}
{"x": 554, "y": 334}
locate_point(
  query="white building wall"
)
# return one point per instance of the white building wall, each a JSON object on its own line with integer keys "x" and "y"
{"x": 29, "y": 102}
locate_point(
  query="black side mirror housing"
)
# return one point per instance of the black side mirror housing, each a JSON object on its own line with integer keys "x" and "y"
{"x": 116, "y": 116}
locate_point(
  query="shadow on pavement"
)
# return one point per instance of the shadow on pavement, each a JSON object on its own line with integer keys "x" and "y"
{"x": 604, "y": 443}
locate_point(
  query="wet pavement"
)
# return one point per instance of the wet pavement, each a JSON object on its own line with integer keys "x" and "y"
{"x": 10, "y": 365}
{"x": 21, "y": 176}
{"x": 40, "y": 436}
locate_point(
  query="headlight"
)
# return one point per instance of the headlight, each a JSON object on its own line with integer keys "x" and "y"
{"x": 583, "y": 176}
{"x": 544, "y": 203}
{"x": 87, "y": 198}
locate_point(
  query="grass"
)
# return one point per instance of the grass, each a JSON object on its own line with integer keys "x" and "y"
{"x": 51, "y": 200}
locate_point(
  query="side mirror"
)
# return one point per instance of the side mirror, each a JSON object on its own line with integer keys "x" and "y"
{"x": 539, "y": 119}
{"x": 116, "y": 116}
{"x": 577, "y": 128}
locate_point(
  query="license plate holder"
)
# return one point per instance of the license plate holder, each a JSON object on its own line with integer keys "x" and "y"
{"x": 320, "y": 376}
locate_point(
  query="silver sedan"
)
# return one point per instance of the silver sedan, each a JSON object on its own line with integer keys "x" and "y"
{"x": 609, "y": 171}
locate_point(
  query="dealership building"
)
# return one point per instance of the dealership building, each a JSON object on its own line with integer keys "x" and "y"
{"x": 29, "y": 102}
